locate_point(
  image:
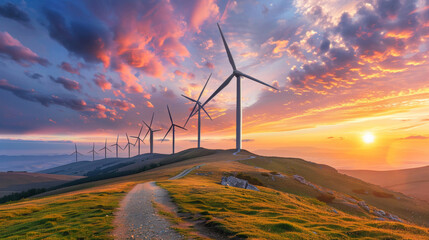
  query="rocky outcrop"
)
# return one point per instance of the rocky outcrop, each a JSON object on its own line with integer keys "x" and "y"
{"x": 236, "y": 182}
{"x": 363, "y": 205}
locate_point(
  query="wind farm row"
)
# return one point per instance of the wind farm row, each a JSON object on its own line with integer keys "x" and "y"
{"x": 196, "y": 110}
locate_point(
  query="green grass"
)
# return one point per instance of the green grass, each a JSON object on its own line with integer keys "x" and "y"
{"x": 268, "y": 214}
{"x": 79, "y": 215}
{"x": 413, "y": 210}
{"x": 282, "y": 209}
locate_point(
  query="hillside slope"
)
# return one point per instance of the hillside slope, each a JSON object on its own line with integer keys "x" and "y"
{"x": 413, "y": 182}
{"x": 11, "y": 182}
{"x": 284, "y": 207}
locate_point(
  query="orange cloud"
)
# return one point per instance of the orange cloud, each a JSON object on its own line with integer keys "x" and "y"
{"x": 202, "y": 11}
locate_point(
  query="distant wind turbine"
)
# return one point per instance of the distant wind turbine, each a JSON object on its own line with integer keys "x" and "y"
{"x": 128, "y": 145}
{"x": 105, "y": 149}
{"x": 173, "y": 126}
{"x": 236, "y": 73}
{"x": 117, "y": 146}
{"x": 151, "y": 131}
{"x": 76, "y": 152}
{"x": 199, "y": 105}
{"x": 138, "y": 139}
{"x": 93, "y": 151}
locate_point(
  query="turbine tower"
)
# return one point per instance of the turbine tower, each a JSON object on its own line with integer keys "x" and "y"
{"x": 93, "y": 151}
{"x": 105, "y": 149}
{"x": 173, "y": 126}
{"x": 75, "y": 152}
{"x": 138, "y": 139}
{"x": 151, "y": 131}
{"x": 235, "y": 73}
{"x": 128, "y": 145}
{"x": 117, "y": 146}
{"x": 198, "y": 103}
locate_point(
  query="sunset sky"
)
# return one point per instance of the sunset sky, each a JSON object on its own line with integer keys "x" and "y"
{"x": 81, "y": 71}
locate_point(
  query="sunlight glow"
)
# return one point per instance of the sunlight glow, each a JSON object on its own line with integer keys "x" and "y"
{"x": 368, "y": 137}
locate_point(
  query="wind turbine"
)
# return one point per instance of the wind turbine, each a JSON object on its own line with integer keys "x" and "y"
{"x": 173, "y": 126}
{"x": 138, "y": 139}
{"x": 105, "y": 149}
{"x": 93, "y": 151}
{"x": 128, "y": 145}
{"x": 151, "y": 131}
{"x": 235, "y": 73}
{"x": 117, "y": 145}
{"x": 198, "y": 103}
{"x": 76, "y": 152}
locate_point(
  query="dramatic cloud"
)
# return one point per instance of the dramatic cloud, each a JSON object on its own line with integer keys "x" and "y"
{"x": 415, "y": 137}
{"x": 36, "y": 76}
{"x": 118, "y": 103}
{"x": 184, "y": 75}
{"x": 11, "y": 11}
{"x": 13, "y": 49}
{"x": 101, "y": 81}
{"x": 45, "y": 100}
{"x": 84, "y": 39}
{"x": 69, "y": 68}
{"x": 68, "y": 84}
{"x": 202, "y": 10}
{"x": 371, "y": 43}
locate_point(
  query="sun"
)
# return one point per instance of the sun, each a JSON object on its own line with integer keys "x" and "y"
{"x": 368, "y": 137}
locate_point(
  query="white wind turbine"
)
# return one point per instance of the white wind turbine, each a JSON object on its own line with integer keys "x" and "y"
{"x": 173, "y": 126}
{"x": 151, "y": 131}
{"x": 93, "y": 151}
{"x": 128, "y": 145}
{"x": 117, "y": 146}
{"x": 105, "y": 149}
{"x": 235, "y": 73}
{"x": 76, "y": 152}
{"x": 138, "y": 139}
{"x": 199, "y": 105}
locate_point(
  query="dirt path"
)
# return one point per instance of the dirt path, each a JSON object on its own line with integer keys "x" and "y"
{"x": 185, "y": 172}
{"x": 138, "y": 219}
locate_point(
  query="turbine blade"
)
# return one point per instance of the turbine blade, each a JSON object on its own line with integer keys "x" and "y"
{"x": 224, "y": 84}
{"x": 231, "y": 60}
{"x": 191, "y": 114}
{"x": 206, "y": 113}
{"x": 146, "y": 124}
{"x": 157, "y": 130}
{"x": 140, "y": 131}
{"x": 117, "y": 138}
{"x": 127, "y": 138}
{"x": 169, "y": 114}
{"x": 190, "y": 99}
{"x": 108, "y": 150}
{"x": 153, "y": 114}
{"x": 201, "y": 93}
{"x": 167, "y": 133}
{"x": 180, "y": 127}
{"x": 256, "y": 80}
{"x": 146, "y": 134}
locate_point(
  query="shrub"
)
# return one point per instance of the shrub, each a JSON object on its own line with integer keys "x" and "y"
{"x": 327, "y": 198}
{"x": 250, "y": 179}
{"x": 382, "y": 194}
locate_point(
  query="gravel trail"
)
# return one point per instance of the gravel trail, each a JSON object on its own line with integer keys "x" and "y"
{"x": 138, "y": 219}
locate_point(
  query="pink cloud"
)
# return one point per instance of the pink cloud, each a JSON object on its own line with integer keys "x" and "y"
{"x": 101, "y": 81}
{"x": 201, "y": 12}
{"x": 13, "y": 49}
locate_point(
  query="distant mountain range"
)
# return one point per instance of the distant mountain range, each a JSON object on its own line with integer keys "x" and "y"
{"x": 35, "y": 163}
{"x": 413, "y": 181}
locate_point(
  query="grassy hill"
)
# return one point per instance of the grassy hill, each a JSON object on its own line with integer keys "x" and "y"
{"x": 408, "y": 181}
{"x": 11, "y": 182}
{"x": 326, "y": 207}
